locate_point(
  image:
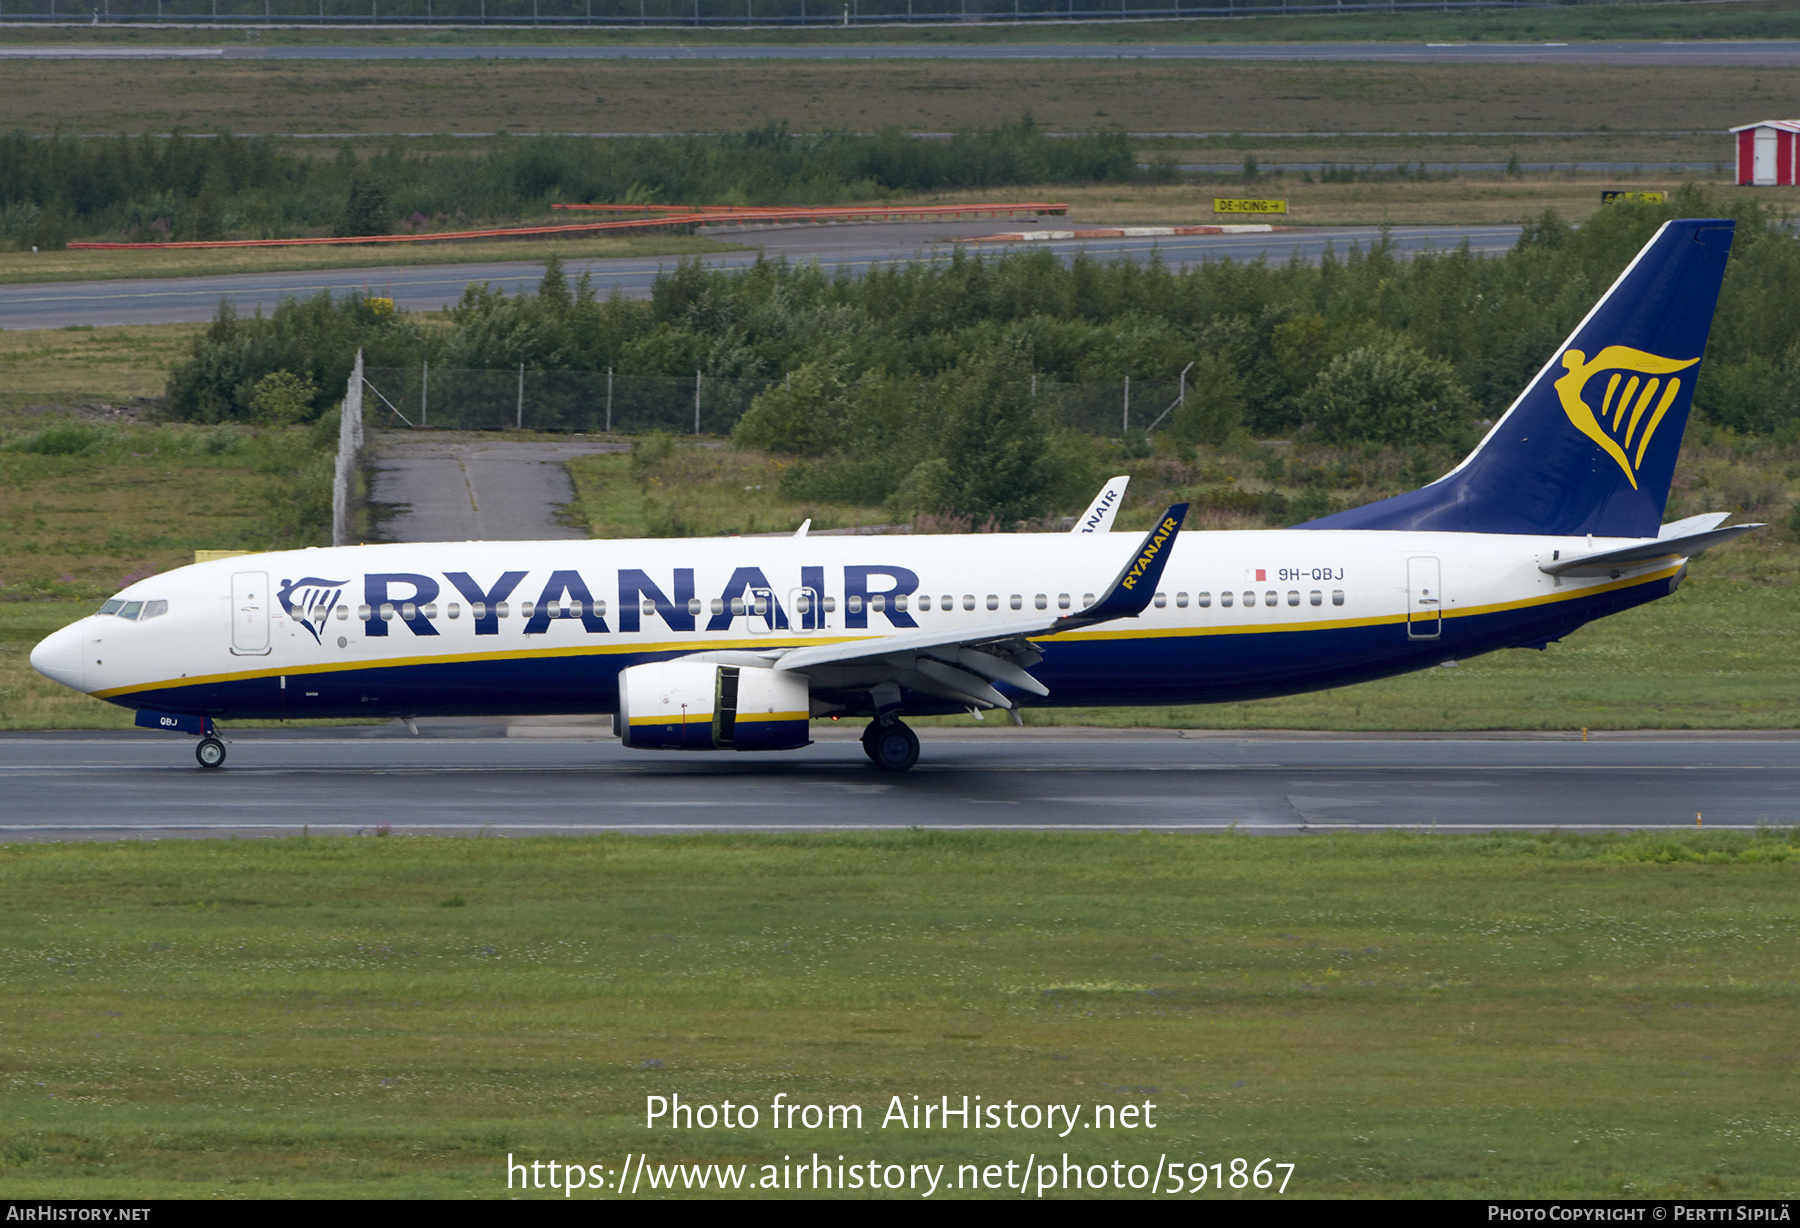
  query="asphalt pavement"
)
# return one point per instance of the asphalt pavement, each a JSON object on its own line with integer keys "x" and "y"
{"x": 852, "y": 247}
{"x": 472, "y": 489}
{"x": 513, "y": 778}
{"x": 1747, "y": 53}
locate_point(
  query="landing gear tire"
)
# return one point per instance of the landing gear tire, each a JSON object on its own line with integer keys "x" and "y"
{"x": 891, "y": 747}
{"x": 210, "y": 753}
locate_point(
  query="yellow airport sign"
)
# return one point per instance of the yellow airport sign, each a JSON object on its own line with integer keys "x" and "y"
{"x": 1648, "y": 198}
{"x": 1225, "y": 205}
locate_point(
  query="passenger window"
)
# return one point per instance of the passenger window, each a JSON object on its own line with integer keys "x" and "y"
{"x": 1271, "y": 598}
{"x": 1041, "y": 601}
{"x": 1160, "y": 601}
{"x": 408, "y": 611}
{"x": 1204, "y": 600}
{"x": 454, "y": 611}
{"x": 693, "y": 605}
{"x": 802, "y": 604}
{"x": 112, "y": 607}
{"x": 1225, "y": 599}
{"x": 718, "y": 605}
{"x": 1062, "y": 601}
{"x": 503, "y": 608}
{"x": 993, "y": 602}
{"x": 599, "y": 607}
{"x": 1249, "y": 599}
{"x": 1316, "y": 597}
{"x": 649, "y": 607}
{"x": 1337, "y": 596}
{"x": 478, "y": 609}
{"x": 877, "y": 603}
{"x": 131, "y": 610}
{"x": 387, "y": 611}
{"x": 1016, "y": 602}
{"x": 760, "y": 606}
{"x": 830, "y": 605}
{"x": 925, "y": 602}
{"x": 362, "y": 612}
{"x": 968, "y": 601}
{"x": 854, "y": 604}
{"x": 1087, "y": 599}
{"x": 946, "y": 603}
{"x": 737, "y": 606}
{"x": 1293, "y": 597}
{"x": 900, "y": 603}
{"x": 528, "y": 608}
{"x": 1181, "y": 601}
{"x": 154, "y": 609}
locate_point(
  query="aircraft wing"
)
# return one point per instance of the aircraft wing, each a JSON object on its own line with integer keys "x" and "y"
{"x": 1663, "y": 550}
{"x": 962, "y": 663}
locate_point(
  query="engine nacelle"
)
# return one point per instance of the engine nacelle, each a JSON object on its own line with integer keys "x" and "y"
{"x": 697, "y": 705}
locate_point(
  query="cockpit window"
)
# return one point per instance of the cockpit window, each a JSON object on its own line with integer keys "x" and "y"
{"x": 154, "y": 609}
{"x": 112, "y": 607}
{"x": 131, "y": 610}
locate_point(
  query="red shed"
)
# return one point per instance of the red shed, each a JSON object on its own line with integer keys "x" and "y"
{"x": 1766, "y": 152}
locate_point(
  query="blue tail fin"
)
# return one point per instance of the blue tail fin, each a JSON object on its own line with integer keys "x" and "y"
{"x": 1590, "y": 445}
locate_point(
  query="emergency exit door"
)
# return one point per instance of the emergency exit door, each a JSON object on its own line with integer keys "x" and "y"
{"x": 1424, "y": 599}
{"x": 250, "y": 613}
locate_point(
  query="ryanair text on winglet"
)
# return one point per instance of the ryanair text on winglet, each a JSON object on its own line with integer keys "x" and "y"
{"x": 1164, "y": 531}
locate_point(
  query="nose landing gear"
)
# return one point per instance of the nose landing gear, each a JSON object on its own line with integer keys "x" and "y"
{"x": 210, "y": 752}
{"x": 890, "y": 745}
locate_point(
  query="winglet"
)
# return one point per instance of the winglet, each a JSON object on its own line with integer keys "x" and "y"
{"x": 1099, "y": 516}
{"x": 1132, "y": 589}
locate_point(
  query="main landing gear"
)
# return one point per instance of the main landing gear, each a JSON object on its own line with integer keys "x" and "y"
{"x": 890, "y": 745}
{"x": 210, "y": 752}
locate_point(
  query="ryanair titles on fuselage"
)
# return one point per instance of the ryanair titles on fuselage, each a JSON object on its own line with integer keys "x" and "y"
{"x": 411, "y": 599}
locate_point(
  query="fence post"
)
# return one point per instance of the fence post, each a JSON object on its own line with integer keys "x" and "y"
{"x": 424, "y": 391}
{"x": 609, "y": 400}
{"x": 696, "y": 402}
{"x": 1127, "y": 427}
{"x": 350, "y": 442}
{"x": 521, "y": 419}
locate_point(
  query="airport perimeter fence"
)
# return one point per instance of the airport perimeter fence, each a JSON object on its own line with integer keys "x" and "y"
{"x": 655, "y": 13}
{"x": 602, "y": 402}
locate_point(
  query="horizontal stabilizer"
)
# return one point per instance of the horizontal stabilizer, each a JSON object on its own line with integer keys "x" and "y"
{"x": 1615, "y": 563}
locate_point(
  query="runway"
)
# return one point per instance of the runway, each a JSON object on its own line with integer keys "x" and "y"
{"x": 855, "y": 248}
{"x": 474, "y": 777}
{"x": 1747, "y": 53}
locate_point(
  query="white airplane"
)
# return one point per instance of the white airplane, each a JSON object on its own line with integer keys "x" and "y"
{"x": 737, "y": 643}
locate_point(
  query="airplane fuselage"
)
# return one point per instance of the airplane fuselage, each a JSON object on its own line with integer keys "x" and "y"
{"x": 546, "y": 627}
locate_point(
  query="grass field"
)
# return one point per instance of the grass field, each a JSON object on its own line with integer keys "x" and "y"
{"x": 28, "y": 266}
{"x": 1396, "y": 1015}
{"x": 1595, "y": 21}
{"x": 253, "y": 96}
{"x": 51, "y": 370}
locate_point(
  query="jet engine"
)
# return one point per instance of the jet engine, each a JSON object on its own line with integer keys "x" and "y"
{"x": 699, "y": 705}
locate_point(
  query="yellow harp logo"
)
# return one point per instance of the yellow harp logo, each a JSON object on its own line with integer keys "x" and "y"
{"x": 1630, "y": 409}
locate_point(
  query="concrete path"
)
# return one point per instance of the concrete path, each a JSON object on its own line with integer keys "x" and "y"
{"x": 465, "y": 488}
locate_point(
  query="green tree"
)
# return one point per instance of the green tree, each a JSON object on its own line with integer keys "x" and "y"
{"x": 1388, "y": 391}
{"x": 282, "y": 398}
{"x": 1214, "y": 408}
{"x": 803, "y": 416}
{"x": 366, "y": 210}
{"x": 995, "y": 450}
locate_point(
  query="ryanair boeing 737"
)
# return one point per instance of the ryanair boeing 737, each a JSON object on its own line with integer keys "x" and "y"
{"x": 735, "y": 644}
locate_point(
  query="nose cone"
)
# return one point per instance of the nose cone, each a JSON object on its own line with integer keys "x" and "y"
{"x": 58, "y": 657}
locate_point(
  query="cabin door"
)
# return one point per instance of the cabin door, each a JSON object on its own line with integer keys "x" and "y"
{"x": 250, "y": 613}
{"x": 1424, "y": 599}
